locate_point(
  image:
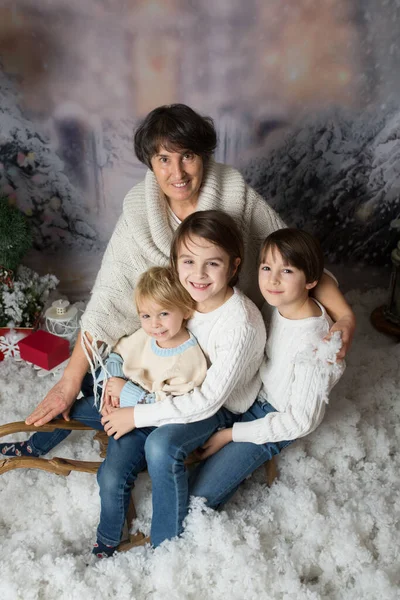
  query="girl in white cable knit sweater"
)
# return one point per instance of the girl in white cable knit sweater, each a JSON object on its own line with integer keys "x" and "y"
{"x": 206, "y": 253}
{"x": 298, "y": 371}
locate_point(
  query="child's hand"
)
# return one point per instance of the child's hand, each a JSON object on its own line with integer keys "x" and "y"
{"x": 119, "y": 422}
{"x": 215, "y": 443}
{"x": 106, "y": 402}
{"x": 107, "y": 409}
{"x": 113, "y": 390}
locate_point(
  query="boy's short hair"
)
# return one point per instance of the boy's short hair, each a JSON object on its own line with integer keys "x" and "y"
{"x": 299, "y": 249}
{"x": 161, "y": 285}
{"x": 217, "y": 227}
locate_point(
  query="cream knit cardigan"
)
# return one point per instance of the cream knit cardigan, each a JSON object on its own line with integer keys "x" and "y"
{"x": 142, "y": 239}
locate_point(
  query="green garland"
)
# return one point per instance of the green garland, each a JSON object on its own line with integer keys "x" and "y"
{"x": 15, "y": 235}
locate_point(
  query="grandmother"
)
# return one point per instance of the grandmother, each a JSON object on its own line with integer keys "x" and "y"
{"x": 177, "y": 145}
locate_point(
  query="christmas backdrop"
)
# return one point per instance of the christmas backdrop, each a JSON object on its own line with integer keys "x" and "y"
{"x": 304, "y": 97}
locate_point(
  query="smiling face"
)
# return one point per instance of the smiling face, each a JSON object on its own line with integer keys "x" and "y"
{"x": 204, "y": 270}
{"x": 283, "y": 285}
{"x": 165, "y": 325}
{"x": 179, "y": 175}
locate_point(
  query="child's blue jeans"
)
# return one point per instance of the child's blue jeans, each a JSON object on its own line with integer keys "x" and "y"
{"x": 218, "y": 477}
{"x": 162, "y": 449}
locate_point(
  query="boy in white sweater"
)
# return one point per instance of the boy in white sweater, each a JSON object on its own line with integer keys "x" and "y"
{"x": 162, "y": 357}
{"x": 298, "y": 371}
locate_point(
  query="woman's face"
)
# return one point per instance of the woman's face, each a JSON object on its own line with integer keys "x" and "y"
{"x": 204, "y": 271}
{"x": 179, "y": 174}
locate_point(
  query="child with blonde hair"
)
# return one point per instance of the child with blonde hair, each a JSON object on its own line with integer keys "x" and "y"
{"x": 162, "y": 357}
{"x": 207, "y": 253}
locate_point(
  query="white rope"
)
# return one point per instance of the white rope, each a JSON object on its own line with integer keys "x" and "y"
{"x": 95, "y": 356}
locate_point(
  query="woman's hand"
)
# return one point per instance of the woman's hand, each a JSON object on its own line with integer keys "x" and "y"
{"x": 346, "y": 325}
{"x": 58, "y": 400}
{"x": 119, "y": 422}
{"x": 215, "y": 443}
{"x": 329, "y": 295}
{"x": 113, "y": 390}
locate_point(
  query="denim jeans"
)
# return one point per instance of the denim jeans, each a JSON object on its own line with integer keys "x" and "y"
{"x": 166, "y": 449}
{"x": 218, "y": 477}
{"x": 116, "y": 476}
{"x": 162, "y": 449}
{"x": 117, "y": 473}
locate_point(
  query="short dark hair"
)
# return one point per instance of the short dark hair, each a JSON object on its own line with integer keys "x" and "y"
{"x": 299, "y": 249}
{"x": 175, "y": 127}
{"x": 218, "y": 228}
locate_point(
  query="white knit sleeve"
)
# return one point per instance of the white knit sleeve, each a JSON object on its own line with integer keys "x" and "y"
{"x": 305, "y": 407}
{"x": 265, "y": 220}
{"x": 110, "y": 313}
{"x": 234, "y": 352}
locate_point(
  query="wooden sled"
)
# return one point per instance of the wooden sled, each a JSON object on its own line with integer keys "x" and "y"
{"x": 64, "y": 466}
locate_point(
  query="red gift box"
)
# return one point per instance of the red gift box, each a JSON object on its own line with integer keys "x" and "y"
{"x": 44, "y": 349}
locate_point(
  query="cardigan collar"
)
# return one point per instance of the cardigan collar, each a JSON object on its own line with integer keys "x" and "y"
{"x": 156, "y": 205}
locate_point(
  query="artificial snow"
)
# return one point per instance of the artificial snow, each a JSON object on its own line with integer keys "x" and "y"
{"x": 327, "y": 529}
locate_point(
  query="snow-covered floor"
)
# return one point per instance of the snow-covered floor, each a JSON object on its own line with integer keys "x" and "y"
{"x": 329, "y": 528}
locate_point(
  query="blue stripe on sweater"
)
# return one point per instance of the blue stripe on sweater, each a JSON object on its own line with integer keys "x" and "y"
{"x": 173, "y": 351}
